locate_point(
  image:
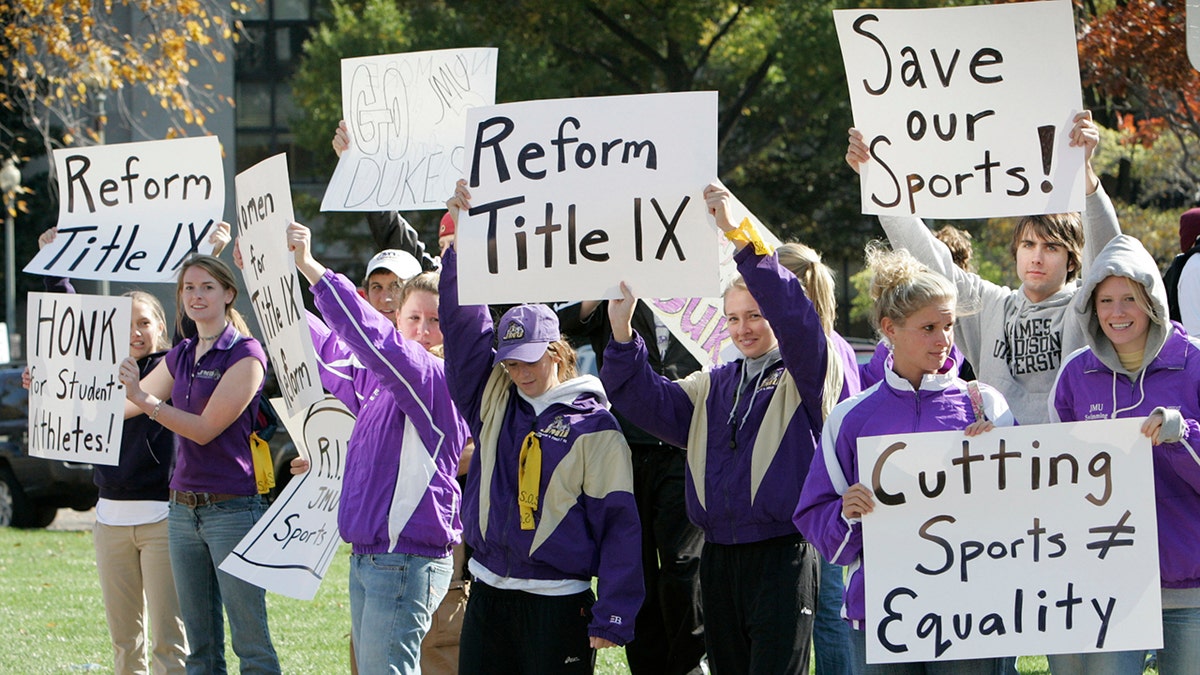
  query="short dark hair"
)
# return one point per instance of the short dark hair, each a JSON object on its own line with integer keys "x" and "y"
{"x": 1064, "y": 229}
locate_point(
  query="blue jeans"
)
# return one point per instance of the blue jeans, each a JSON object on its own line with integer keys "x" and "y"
{"x": 200, "y": 538}
{"x": 1180, "y": 654}
{"x": 858, "y": 644}
{"x": 831, "y": 633}
{"x": 1098, "y": 663}
{"x": 392, "y": 600}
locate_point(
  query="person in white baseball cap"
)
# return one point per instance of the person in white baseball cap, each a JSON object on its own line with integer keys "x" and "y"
{"x": 386, "y": 274}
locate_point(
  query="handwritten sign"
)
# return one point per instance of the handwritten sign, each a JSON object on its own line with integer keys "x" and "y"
{"x": 264, "y": 212}
{"x": 1024, "y": 540}
{"x": 76, "y": 400}
{"x": 1193, "y": 32}
{"x": 406, "y": 114}
{"x": 571, "y": 196}
{"x": 133, "y": 211}
{"x": 289, "y": 549}
{"x": 699, "y": 323}
{"x": 967, "y": 110}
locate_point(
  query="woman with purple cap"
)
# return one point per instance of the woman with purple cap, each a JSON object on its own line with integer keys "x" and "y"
{"x": 549, "y": 500}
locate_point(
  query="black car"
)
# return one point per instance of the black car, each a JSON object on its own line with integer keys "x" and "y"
{"x": 32, "y": 490}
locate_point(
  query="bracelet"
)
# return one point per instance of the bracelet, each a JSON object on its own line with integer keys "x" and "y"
{"x": 154, "y": 413}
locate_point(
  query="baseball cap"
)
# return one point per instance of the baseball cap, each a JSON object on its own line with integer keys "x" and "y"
{"x": 400, "y": 263}
{"x": 446, "y": 228}
{"x": 525, "y": 333}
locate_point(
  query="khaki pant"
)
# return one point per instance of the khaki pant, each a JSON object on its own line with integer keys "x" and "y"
{"x": 439, "y": 649}
{"x": 136, "y": 582}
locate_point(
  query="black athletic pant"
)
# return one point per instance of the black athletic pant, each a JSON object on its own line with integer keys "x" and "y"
{"x": 517, "y": 633}
{"x": 759, "y": 604}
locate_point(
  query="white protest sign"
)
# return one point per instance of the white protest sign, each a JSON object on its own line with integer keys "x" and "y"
{"x": 1023, "y": 540}
{"x": 264, "y": 212}
{"x": 406, "y": 114}
{"x": 571, "y": 196}
{"x": 133, "y": 211}
{"x": 75, "y": 345}
{"x": 967, "y": 110}
{"x": 289, "y": 549}
{"x": 1193, "y": 32}
{"x": 699, "y": 323}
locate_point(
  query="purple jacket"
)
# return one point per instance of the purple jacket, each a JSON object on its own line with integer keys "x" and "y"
{"x": 1092, "y": 384}
{"x": 888, "y": 407}
{"x": 749, "y": 433}
{"x": 399, "y": 493}
{"x": 872, "y": 371}
{"x": 586, "y": 522}
{"x": 224, "y": 464}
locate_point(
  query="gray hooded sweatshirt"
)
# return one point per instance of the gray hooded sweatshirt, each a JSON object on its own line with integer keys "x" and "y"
{"x": 1015, "y": 345}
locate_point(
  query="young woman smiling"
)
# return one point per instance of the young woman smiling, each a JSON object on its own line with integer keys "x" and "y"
{"x": 1137, "y": 363}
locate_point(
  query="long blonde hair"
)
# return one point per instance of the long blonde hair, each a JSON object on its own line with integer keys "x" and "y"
{"x": 902, "y": 286}
{"x": 817, "y": 280}
{"x": 224, "y": 276}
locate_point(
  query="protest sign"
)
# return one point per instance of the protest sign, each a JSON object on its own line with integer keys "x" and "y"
{"x": 133, "y": 211}
{"x": 967, "y": 110}
{"x": 76, "y": 344}
{"x": 1023, "y": 540}
{"x": 699, "y": 323}
{"x": 1193, "y": 32}
{"x": 406, "y": 114}
{"x": 571, "y": 196}
{"x": 264, "y": 212}
{"x": 289, "y": 549}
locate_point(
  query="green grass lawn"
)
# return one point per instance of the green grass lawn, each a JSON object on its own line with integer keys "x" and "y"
{"x": 53, "y": 620}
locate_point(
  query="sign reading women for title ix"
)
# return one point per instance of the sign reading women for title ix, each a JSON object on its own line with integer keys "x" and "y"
{"x": 569, "y": 197}
{"x": 264, "y": 212}
{"x": 133, "y": 211}
{"x": 76, "y": 401}
{"x": 1022, "y": 540}
{"x": 967, "y": 110}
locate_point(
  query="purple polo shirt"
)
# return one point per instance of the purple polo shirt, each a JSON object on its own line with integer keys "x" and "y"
{"x": 224, "y": 465}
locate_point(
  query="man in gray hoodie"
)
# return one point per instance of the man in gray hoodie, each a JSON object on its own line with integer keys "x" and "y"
{"x": 1017, "y": 337}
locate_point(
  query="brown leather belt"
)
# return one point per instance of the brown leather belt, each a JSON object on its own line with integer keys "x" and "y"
{"x": 194, "y": 499}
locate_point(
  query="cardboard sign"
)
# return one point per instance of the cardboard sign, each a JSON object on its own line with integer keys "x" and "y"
{"x": 967, "y": 110}
{"x": 264, "y": 212}
{"x": 571, "y": 196}
{"x": 134, "y": 211}
{"x": 289, "y": 549}
{"x": 699, "y": 323}
{"x": 76, "y": 344}
{"x": 406, "y": 114}
{"x": 1023, "y": 540}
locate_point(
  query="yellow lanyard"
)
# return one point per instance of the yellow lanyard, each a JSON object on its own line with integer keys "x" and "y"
{"x": 529, "y": 476}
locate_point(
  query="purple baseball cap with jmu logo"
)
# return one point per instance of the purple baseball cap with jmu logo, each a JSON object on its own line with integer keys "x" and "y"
{"x": 525, "y": 333}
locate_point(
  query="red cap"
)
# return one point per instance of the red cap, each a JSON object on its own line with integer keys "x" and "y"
{"x": 1189, "y": 229}
{"x": 447, "y": 226}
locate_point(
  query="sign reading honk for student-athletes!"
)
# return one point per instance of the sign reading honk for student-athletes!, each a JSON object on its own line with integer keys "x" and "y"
{"x": 571, "y": 196}
{"x": 406, "y": 114}
{"x": 133, "y": 211}
{"x": 967, "y": 110}
{"x": 1022, "y": 540}
{"x": 76, "y": 344}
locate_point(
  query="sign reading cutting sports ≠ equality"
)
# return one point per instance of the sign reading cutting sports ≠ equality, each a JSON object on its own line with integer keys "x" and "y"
{"x": 264, "y": 212}
{"x": 1022, "y": 540}
{"x": 132, "y": 212}
{"x": 967, "y": 111}
{"x": 406, "y": 114}
{"x": 76, "y": 344}
{"x": 571, "y": 196}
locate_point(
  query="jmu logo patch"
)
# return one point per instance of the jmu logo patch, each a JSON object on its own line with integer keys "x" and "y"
{"x": 515, "y": 331}
{"x": 559, "y": 428}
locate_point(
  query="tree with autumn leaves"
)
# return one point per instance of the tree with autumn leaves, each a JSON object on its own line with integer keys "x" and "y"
{"x": 65, "y": 63}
